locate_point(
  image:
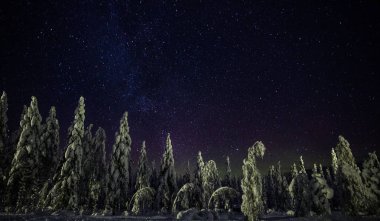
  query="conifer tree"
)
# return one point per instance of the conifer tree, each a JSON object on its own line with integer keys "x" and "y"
{"x": 198, "y": 178}
{"x": 252, "y": 205}
{"x": 14, "y": 138}
{"x": 321, "y": 170}
{"x": 228, "y": 173}
{"x": 334, "y": 164}
{"x": 329, "y": 177}
{"x": 271, "y": 188}
{"x": 291, "y": 188}
{"x": 23, "y": 182}
{"x": 143, "y": 173}
{"x": 279, "y": 194}
{"x": 286, "y": 195}
{"x": 336, "y": 201}
{"x": 187, "y": 176}
{"x": 211, "y": 180}
{"x": 87, "y": 163}
{"x": 371, "y": 179}
{"x": 302, "y": 193}
{"x": 154, "y": 176}
{"x": 50, "y": 144}
{"x": 119, "y": 176}
{"x": 97, "y": 185}
{"x": 294, "y": 171}
{"x": 65, "y": 193}
{"x": 4, "y": 145}
{"x": 168, "y": 183}
{"x": 321, "y": 193}
{"x": 349, "y": 181}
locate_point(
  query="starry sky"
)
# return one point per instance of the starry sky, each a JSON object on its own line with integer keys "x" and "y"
{"x": 217, "y": 75}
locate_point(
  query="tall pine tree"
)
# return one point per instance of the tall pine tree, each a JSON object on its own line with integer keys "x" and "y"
{"x": 50, "y": 144}
{"x": 198, "y": 178}
{"x": 302, "y": 192}
{"x": 371, "y": 179}
{"x": 97, "y": 184}
{"x": 168, "y": 184}
{"x": 349, "y": 180}
{"x": 228, "y": 181}
{"x": 65, "y": 194}
{"x": 119, "y": 173}
{"x": 4, "y": 145}
{"x": 143, "y": 173}
{"x": 24, "y": 177}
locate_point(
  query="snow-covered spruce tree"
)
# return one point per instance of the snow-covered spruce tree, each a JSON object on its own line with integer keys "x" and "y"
{"x": 4, "y": 145}
{"x": 168, "y": 185}
{"x": 320, "y": 170}
{"x": 334, "y": 164}
{"x": 198, "y": 179}
{"x": 87, "y": 163}
{"x": 143, "y": 173}
{"x": 286, "y": 195}
{"x": 65, "y": 193}
{"x": 321, "y": 193}
{"x": 294, "y": 171}
{"x": 336, "y": 201}
{"x": 97, "y": 185}
{"x": 329, "y": 177}
{"x": 119, "y": 177}
{"x": 252, "y": 205}
{"x": 24, "y": 178}
{"x": 211, "y": 180}
{"x": 264, "y": 197}
{"x": 14, "y": 138}
{"x": 271, "y": 189}
{"x": 228, "y": 181}
{"x": 371, "y": 179}
{"x": 353, "y": 192}
{"x": 279, "y": 195}
{"x": 291, "y": 187}
{"x": 302, "y": 191}
{"x": 154, "y": 182}
{"x": 187, "y": 176}
{"x": 50, "y": 155}
{"x": 50, "y": 144}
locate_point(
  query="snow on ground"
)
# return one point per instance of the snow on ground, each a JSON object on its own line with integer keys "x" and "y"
{"x": 336, "y": 216}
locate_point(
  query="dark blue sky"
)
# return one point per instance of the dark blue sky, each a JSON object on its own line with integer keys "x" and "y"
{"x": 218, "y": 75}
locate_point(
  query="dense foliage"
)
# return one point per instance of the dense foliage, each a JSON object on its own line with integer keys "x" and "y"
{"x": 35, "y": 176}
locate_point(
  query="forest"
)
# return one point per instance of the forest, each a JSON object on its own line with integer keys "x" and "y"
{"x": 36, "y": 176}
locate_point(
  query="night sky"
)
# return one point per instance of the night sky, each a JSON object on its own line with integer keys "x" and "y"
{"x": 217, "y": 75}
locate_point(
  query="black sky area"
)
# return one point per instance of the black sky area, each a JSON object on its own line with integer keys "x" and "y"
{"x": 217, "y": 75}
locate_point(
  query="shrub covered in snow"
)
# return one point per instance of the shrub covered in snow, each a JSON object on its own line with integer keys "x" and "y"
{"x": 142, "y": 201}
{"x": 187, "y": 197}
{"x": 224, "y": 198}
{"x": 211, "y": 180}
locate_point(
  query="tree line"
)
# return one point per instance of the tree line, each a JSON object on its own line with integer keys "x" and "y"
{"x": 35, "y": 175}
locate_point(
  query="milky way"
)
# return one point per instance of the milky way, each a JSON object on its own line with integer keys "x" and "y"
{"x": 217, "y": 75}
